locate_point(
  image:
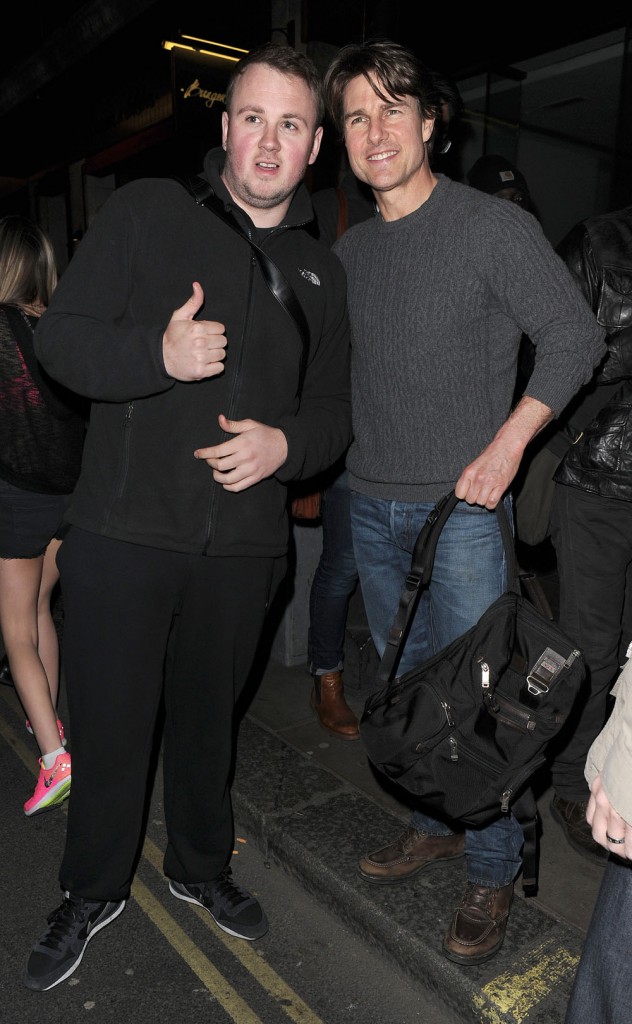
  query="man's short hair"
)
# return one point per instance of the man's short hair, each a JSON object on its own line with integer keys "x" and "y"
{"x": 399, "y": 72}
{"x": 286, "y": 61}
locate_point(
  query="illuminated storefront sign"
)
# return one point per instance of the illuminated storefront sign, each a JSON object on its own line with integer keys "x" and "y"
{"x": 199, "y": 87}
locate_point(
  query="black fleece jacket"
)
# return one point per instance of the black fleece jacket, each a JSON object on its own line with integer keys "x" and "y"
{"x": 102, "y": 337}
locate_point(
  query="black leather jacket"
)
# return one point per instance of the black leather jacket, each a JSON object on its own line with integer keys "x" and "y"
{"x": 598, "y": 251}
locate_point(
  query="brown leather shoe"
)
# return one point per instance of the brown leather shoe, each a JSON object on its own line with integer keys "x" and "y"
{"x": 409, "y": 854}
{"x": 572, "y": 817}
{"x": 478, "y": 927}
{"x": 334, "y": 714}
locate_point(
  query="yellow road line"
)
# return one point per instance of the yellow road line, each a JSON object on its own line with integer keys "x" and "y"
{"x": 288, "y": 1000}
{"x": 211, "y": 978}
{"x": 513, "y": 995}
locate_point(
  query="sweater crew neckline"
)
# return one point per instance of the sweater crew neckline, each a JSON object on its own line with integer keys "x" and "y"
{"x": 421, "y": 211}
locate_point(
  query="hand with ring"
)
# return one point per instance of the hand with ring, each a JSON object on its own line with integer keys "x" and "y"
{"x": 609, "y": 828}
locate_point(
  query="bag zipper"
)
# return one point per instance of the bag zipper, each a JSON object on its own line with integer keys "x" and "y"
{"x": 490, "y": 768}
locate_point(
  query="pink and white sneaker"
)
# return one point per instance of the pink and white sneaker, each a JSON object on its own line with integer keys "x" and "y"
{"x": 59, "y": 726}
{"x": 53, "y": 786}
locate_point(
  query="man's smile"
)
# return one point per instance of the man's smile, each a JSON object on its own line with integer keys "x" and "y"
{"x": 382, "y": 156}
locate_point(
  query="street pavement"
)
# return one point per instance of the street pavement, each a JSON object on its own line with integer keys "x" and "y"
{"x": 313, "y": 805}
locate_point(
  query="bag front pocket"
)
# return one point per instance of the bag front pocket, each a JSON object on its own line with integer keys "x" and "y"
{"x": 399, "y": 726}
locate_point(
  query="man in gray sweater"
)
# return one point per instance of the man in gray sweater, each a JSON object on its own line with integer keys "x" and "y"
{"x": 441, "y": 286}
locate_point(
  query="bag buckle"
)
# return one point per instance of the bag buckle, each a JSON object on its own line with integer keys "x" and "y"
{"x": 536, "y": 686}
{"x": 545, "y": 671}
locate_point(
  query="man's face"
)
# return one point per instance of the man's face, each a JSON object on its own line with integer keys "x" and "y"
{"x": 270, "y": 137}
{"x": 385, "y": 141}
{"x": 514, "y": 195}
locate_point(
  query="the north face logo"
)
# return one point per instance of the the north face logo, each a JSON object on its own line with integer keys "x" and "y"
{"x": 309, "y": 275}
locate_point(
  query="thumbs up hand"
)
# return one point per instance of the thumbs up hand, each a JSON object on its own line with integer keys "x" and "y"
{"x": 193, "y": 349}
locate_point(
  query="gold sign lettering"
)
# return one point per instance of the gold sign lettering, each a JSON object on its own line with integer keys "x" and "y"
{"x": 195, "y": 91}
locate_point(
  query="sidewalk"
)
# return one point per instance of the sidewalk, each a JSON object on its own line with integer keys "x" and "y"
{"x": 314, "y": 805}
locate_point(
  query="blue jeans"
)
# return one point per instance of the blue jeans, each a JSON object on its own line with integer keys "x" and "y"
{"x": 469, "y": 573}
{"x": 601, "y": 990}
{"x": 335, "y": 580}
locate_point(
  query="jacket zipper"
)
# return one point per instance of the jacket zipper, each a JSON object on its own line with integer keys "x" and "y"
{"x": 127, "y": 432}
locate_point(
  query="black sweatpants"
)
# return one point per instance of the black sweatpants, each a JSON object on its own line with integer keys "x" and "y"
{"x": 125, "y": 607}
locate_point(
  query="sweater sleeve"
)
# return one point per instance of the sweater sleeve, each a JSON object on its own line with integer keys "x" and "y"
{"x": 536, "y": 288}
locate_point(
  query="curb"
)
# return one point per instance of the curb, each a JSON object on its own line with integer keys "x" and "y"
{"x": 315, "y": 825}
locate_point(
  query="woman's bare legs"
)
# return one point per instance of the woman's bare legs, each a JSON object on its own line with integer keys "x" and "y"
{"x": 30, "y": 639}
{"x": 48, "y": 641}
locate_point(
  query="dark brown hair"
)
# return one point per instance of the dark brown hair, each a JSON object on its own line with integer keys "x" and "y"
{"x": 286, "y": 61}
{"x": 399, "y": 72}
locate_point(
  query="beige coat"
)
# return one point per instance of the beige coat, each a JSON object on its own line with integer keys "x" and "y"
{"x": 611, "y": 754}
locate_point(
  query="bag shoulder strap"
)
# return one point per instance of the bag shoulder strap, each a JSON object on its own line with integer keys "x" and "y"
{"x": 422, "y": 563}
{"x": 280, "y": 287}
{"x": 525, "y": 810}
{"x": 426, "y": 544}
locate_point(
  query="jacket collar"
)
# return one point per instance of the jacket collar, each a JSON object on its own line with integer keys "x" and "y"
{"x": 300, "y": 210}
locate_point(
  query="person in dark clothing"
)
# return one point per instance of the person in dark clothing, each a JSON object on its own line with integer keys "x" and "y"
{"x": 340, "y": 207}
{"x": 179, "y": 525}
{"x": 497, "y": 176}
{"x": 591, "y": 515}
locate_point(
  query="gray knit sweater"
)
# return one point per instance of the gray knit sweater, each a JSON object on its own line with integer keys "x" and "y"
{"x": 438, "y": 302}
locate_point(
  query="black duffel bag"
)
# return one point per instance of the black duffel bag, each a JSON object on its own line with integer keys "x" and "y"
{"x": 466, "y": 730}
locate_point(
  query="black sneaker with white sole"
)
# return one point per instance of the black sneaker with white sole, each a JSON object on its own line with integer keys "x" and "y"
{"x": 231, "y": 907}
{"x": 59, "y": 950}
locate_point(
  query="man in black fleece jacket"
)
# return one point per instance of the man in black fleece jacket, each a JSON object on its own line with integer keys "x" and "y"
{"x": 179, "y": 525}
